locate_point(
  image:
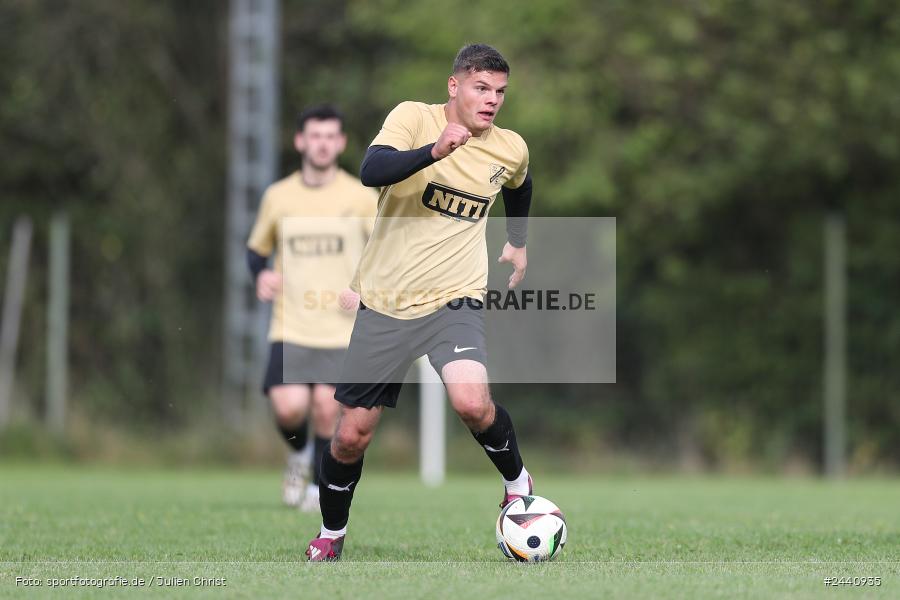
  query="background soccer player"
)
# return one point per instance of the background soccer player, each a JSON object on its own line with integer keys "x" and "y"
{"x": 318, "y": 218}
{"x": 424, "y": 273}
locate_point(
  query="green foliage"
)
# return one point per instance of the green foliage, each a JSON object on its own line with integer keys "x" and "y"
{"x": 115, "y": 114}
{"x": 718, "y": 134}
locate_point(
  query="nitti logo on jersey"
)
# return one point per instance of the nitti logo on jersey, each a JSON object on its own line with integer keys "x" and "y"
{"x": 454, "y": 203}
{"x": 319, "y": 244}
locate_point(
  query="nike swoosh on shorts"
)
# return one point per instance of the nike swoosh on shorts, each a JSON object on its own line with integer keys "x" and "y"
{"x": 457, "y": 349}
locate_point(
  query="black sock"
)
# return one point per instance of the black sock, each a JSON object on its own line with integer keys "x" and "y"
{"x": 319, "y": 446}
{"x": 499, "y": 443}
{"x": 295, "y": 435}
{"x": 337, "y": 481}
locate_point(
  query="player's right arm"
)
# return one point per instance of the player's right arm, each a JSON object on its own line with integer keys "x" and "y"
{"x": 385, "y": 165}
{"x": 260, "y": 246}
{"x": 391, "y": 158}
{"x": 268, "y": 282}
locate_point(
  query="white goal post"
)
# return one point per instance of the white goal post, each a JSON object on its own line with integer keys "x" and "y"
{"x": 432, "y": 425}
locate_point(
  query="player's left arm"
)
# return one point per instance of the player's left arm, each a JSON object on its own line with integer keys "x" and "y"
{"x": 517, "y": 202}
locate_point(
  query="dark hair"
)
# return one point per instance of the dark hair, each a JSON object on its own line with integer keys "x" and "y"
{"x": 319, "y": 112}
{"x": 479, "y": 57}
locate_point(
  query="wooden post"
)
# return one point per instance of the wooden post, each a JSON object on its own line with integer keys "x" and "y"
{"x": 58, "y": 323}
{"x": 16, "y": 276}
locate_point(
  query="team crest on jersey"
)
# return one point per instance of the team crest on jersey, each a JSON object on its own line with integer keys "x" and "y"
{"x": 453, "y": 203}
{"x": 496, "y": 173}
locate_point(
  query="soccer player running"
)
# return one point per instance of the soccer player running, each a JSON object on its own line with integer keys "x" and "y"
{"x": 318, "y": 218}
{"x": 423, "y": 276}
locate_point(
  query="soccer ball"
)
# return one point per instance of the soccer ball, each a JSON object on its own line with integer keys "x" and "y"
{"x": 531, "y": 529}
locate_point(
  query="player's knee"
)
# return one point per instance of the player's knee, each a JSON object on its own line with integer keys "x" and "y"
{"x": 289, "y": 413}
{"x": 474, "y": 410}
{"x": 349, "y": 444}
{"x": 289, "y": 404}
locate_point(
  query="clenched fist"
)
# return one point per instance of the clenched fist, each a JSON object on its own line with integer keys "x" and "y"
{"x": 453, "y": 136}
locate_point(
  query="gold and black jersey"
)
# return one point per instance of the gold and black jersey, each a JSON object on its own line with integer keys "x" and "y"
{"x": 319, "y": 234}
{"x": 428, "y": 246}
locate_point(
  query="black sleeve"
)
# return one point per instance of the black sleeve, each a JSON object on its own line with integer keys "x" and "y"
{"x": 517, "y": 203}
{"x": 256, "y": 262}
{"x": 384, "y": 165}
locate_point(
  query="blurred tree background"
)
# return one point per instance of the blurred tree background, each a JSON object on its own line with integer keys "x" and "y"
{"x": 718, "y": 134}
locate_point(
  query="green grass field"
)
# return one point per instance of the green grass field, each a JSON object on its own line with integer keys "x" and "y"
{"x": 628, "y": 537}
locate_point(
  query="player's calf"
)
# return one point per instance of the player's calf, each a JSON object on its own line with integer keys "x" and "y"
{"x": 336, "y": 486}
{"x": 499, "y": 443}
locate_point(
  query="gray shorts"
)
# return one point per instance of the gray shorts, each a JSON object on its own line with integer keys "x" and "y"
{"x": 383, "y": 348}
{"x": 290, "y": 364}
